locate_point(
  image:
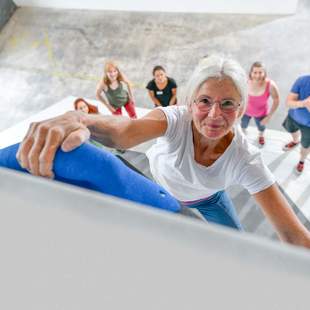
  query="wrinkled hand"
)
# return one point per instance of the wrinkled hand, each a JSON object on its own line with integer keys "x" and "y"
{"x": 264, "y": 121}
{"x": 37, "y": 150}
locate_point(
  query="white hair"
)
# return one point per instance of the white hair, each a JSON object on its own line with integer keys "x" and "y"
{"x": 220, "y": 67}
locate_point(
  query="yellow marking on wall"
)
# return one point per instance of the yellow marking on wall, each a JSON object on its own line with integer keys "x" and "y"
{"x": 138, "y": 85}
{"x": 35, "y": 44}
{"x": 13, "y": 41}
{"x": 81, "y": 76}
{"x": 16, "y": 40}
{"x": 49, "y": 49}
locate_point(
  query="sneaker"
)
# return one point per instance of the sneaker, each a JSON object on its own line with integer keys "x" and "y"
{"x": 261, "y": 140}
{"x": 290, "y": 145}
{"x": 300, "y": 167}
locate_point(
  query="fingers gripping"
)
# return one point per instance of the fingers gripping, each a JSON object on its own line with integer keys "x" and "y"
{"x": 47, "y": 154}
{"x": 40, "y": 138}
{"x": 37, "y": 150}
{"x": 75, "y": 138}
{"x": 26, "y": 145}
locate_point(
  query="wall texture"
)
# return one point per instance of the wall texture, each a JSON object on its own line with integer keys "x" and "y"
{"x": 7, "y": 8}
{"x": 184, "y": 6}
{"x": 48, "y": 54}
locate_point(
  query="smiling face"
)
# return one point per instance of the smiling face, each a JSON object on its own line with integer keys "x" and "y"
{"x": 214, "y": 123}
{"x": 82, "y": 106}
{"x": 160, "y": 76}
{"x": 258, "y": 74}
{"x": 112, "y": 73}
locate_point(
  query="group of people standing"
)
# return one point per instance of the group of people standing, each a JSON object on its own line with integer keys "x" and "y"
{"x": 297, "y": 122}
{"x": 114, "y": 90}
{"x": 200, "y": 150}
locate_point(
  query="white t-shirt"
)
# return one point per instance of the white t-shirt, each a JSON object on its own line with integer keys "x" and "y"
{"x": 173, "y": 165}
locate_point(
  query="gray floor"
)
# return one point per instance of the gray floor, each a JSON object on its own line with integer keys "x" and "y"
{"x": 46, "y": 54}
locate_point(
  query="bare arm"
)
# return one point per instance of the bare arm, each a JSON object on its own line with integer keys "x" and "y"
{"x": 154, "y": 99}
{"x": 293, "y": 102}
{"x": 174, "y": 96}
{"x": 101, "y": 87}
{"x": 278, "y": 211}
{"x": 125, "y": 80}
{"x": 274, "y": 92}
{"x": 130, "y": 93}
{"x": 37, "y": 150}
{"x": 123, "y": 132}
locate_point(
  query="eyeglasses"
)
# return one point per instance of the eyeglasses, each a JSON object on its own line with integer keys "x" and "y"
{"x": 226, "y": 105}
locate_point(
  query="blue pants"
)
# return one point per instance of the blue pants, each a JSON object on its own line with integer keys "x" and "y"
{"x": 218, "y": 209}
{"x": 246, "y": 119}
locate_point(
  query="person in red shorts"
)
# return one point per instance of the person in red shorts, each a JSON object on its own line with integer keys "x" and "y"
{"x": 113, "y": 85}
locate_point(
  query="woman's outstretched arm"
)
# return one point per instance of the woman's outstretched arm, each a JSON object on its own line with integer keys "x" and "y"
{"x": 280, "y": 214}
{"x": 37, "y": 150}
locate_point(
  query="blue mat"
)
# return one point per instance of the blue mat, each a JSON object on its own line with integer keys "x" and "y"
{"x": 94, "y": 168}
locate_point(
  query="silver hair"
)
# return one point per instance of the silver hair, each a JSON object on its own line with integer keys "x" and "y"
{"x": 220, "y": 67}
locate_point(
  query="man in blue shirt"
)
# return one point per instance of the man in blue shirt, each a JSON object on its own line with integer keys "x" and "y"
{"x": 297, "y": 121}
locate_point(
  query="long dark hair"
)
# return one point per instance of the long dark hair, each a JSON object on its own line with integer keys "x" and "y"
{"x": 157, "y": 68}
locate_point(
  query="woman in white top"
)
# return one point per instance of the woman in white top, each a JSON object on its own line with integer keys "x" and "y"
{"x": 199, "y": 152}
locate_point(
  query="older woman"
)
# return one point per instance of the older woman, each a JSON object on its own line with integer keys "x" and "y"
{"x": 200, "y": 152}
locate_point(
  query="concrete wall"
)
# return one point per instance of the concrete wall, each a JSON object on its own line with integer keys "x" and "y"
{"x": 7, "y": 8}
{"x": 199, "y": 6}
{"x": 49, "y": 54}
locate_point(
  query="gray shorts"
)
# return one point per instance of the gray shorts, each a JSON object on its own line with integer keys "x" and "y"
{"x": 292, "y": 126}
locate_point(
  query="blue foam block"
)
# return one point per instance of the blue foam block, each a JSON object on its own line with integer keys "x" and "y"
{"x": 94, "y": 168}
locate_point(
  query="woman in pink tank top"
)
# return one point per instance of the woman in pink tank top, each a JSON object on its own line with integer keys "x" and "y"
{"x": 260, "y": 89}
